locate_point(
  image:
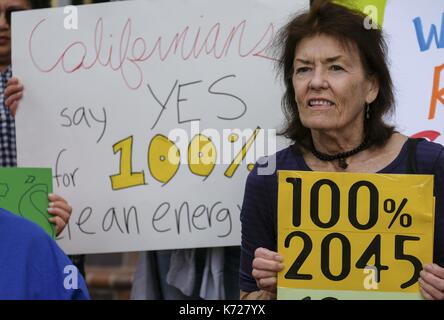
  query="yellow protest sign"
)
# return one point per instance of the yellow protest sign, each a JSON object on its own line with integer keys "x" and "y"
{"x": 353, "y": 236}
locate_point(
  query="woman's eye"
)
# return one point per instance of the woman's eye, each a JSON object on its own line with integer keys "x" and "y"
{"x": 302, "y": 70}
{"x": 336, "y": 68}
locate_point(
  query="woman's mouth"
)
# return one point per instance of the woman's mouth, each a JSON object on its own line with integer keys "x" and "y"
{"x": 320, "y": 103}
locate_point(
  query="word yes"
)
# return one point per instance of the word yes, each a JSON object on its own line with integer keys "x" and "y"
{"x": 213, "y": 89}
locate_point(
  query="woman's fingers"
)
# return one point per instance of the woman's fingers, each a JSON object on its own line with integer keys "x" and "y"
{"x": 61, "y": 205}
{"x": 12, "y": 80}
{"x": 267, "y": 260}
{"x": 267, "y": 254}
{"x": 57, "y": 201}
{"x": 432, "y": 282}
{"x": 60, "y": 208}
{"x": 425, "y": 294}
{"x": 268, "y": 284}
{"x": 59, "y": 223}
{"x": 430, "y": 290}
{"x": 266, "y": 265}
{"x": 60, "y": 212}
{"x": 13, "y": 93}
{"x": 13, "y": 108}
{"x": 261, "y": 274}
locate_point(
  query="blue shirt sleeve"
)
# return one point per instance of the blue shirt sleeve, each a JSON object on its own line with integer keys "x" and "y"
{"x": 53, "y": 275}
{"x": 32, "y": 266}
{"x": 258, "y": 224}
{"x": 430, "y": 160}
{"x": 438, "y": 248}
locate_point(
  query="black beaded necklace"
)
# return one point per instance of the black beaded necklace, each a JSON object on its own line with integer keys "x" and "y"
{"x": 342, "y": 156}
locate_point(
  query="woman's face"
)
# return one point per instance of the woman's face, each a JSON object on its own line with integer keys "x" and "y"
{"x": 331, "y": 87}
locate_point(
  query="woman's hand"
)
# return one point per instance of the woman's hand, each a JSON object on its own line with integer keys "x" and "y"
{"x": 61, "y": 210}
{"x": 13, "y": 93}
{"x": 266, "y": 265}
{"x": 431, "y": 282}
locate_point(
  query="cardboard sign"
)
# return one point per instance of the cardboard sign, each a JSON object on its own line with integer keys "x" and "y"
{"x": 353, "y": 236}
{"x": 24, "y": 191}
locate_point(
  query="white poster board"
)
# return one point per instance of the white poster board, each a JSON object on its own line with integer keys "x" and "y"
{"x": 415, "y": 35}
{"x": 97, "y": 98}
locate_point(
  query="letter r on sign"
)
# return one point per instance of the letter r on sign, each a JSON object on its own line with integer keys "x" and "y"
{"x": 437, "y": 93}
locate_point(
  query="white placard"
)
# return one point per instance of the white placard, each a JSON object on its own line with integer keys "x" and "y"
{"x": 415, "y": 35}
{"x": 99, "y": 93}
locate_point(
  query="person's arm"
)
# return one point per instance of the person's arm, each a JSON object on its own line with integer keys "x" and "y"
{"x": 259, "y": 264}
{"x": 61, "y": 210}
{"x": 266, "y": 265}
{"x": 50, "y": 274}
{"x": 13, "y": 94}
{"x": 58, "y": 206}
{"x": 257, "y": 295}
{"x": 431, "y": 281}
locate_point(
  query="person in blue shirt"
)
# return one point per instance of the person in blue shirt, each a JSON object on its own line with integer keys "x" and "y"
{"x": 32, "y": 266}
{"x": 58, "y": 206}
{"x": 211, "y": 273}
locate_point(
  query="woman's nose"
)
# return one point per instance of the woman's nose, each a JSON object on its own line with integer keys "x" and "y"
{"x": 318, "y": 81}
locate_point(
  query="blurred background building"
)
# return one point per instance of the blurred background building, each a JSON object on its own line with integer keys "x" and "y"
{"x": 109, "y": 276}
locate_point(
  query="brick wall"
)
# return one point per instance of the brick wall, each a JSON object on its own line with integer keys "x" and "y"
{"x": 109, "y": 276}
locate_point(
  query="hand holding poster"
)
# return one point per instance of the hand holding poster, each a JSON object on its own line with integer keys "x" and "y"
{"x": 353, "y": 236}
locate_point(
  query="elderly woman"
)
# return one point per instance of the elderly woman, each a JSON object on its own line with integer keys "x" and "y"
{"x": 338, "y": 89}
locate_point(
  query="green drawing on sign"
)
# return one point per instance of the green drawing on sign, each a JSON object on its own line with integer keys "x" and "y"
{"x": 3, "y": 189}
{"x": 33, "y": 205}
{"x": 24, "y": 191}
{"x": 30, "y": 179}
